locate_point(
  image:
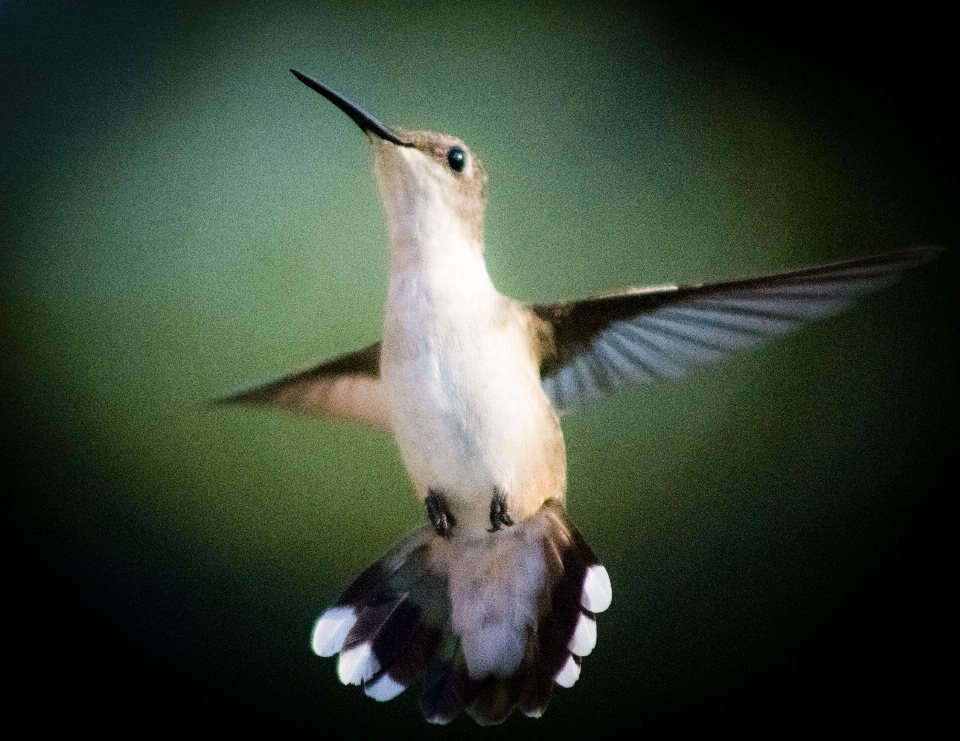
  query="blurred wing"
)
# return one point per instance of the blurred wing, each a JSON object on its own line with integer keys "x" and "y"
{"x": 347, "y": 388}
{"x": 602, "y": 344}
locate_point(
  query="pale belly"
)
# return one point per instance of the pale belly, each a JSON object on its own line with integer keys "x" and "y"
{"x": 471, "y": 419}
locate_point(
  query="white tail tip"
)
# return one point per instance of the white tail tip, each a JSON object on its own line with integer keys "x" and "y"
{"x": 357, "y": 664}
{"x": 331, "y": 630}
{"x": 584, "y": 636}
{"x": 569, "y": 674}
{"x": 597, "y": 592}
{"x": 385, "y": 688}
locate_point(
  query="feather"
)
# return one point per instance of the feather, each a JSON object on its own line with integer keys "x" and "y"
{"x": 598, "y": 346}
{"x": 331, "y": 630}
{"x": 480, "y": 640}
{"x": 347, "y": 388}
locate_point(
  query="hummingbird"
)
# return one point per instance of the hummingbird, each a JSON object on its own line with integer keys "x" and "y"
{"x": 494, "y": 599}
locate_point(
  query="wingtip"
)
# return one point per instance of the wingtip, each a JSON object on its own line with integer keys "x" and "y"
{"x": 911, "y": 257}
{"x": 929, "y": 251}
{"x": 230, "y": 400}
{"x": 252, "y": 395}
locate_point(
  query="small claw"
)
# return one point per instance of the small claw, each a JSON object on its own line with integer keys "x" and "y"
{"x": 439, "y": 513}
{"x": 498, "y": 512}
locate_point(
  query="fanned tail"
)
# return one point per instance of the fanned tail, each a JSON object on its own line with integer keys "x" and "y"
{"x": 486, "y": 625}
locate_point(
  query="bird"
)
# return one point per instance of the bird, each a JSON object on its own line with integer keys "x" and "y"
{"x": 493, "y": 600}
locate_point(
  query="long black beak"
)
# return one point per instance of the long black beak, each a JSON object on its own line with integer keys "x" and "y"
{"x": 360, "y": 117}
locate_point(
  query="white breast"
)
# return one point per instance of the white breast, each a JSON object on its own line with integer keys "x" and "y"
{"x": 464, "y": 393}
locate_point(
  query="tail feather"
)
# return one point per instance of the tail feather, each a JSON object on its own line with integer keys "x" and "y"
{"x": 567, "y": 630}
{"x": 446, "y": 688}
{"x": 486, "y": 625}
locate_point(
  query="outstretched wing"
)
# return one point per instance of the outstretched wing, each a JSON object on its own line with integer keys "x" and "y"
{"x": 602, "y": 344}
{"x": 347, "y": 387}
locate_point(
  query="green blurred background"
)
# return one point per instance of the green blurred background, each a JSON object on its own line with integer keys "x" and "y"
{"x": 181, "y": 218}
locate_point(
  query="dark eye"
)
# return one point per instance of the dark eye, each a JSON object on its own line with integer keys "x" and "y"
{"x": 457, "y": 159}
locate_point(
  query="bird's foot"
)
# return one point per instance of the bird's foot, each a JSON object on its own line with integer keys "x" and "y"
{"x": 498, "y": 512}
{"x": 439, "y": 513}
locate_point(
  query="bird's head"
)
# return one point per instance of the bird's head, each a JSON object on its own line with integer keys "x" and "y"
{"x": 433, "y": 187}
